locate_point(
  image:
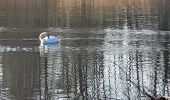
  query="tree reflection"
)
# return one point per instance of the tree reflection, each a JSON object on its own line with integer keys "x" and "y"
{"x": 20, "y": 76}
{"x": 131, "y": 67}
{"x": 85, "y": 13}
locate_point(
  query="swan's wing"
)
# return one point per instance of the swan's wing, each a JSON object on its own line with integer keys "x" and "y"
{"x": 51, "y": 39}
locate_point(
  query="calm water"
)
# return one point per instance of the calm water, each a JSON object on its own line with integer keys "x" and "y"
{"x": 109, "y": 50}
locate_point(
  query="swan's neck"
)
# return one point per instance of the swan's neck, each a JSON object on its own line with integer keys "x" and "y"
{"x": 42, "y": 36}
{"x": 41, "y": 40}
{"x": 48, "y": 36}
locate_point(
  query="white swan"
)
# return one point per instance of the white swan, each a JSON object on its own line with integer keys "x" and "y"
{"x": 46, "y": 39}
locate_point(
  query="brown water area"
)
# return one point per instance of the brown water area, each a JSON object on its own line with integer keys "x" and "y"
{"x": 108, "y": 50}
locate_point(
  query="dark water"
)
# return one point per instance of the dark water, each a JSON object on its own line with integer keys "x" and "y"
{"x": 109, "y": 50}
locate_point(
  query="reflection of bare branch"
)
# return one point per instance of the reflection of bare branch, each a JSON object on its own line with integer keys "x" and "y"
{"x": 126, "y": 95}
{"x": 143, "y": 91}
{"x": 138, "y": 87}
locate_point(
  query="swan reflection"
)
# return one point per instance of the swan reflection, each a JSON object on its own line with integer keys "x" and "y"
{"x": 48, "y": 48}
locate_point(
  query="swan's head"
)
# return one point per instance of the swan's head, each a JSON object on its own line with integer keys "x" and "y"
{"x": 43, "y": 35}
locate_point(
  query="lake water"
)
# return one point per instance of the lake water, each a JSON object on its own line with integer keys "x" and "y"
{"x": 108, "y": 50}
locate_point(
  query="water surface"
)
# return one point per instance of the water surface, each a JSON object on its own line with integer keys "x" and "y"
{"x": 109, "y": 50}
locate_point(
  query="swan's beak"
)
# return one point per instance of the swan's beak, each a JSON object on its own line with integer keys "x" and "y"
{"x": 48, "y": 35}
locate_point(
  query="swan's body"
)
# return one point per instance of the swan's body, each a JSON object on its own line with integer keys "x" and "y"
{"x": 46, "y": 39}
{"x": 50, "y": 40}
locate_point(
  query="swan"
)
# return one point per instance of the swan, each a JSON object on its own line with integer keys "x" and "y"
{"x": 46, "y": 39}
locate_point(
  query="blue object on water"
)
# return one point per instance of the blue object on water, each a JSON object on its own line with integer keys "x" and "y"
{"x": 50, "y": 40}
{"x": 45, "y": 38}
